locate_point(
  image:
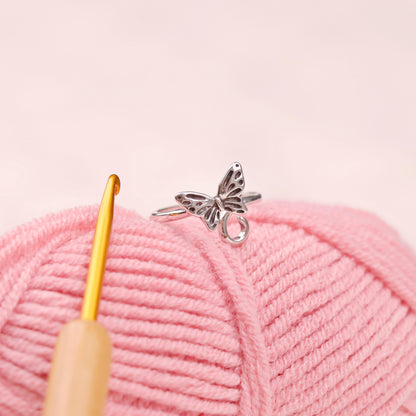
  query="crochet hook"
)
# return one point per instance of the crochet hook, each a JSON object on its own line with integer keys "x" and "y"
{"x": 78, "y": 380}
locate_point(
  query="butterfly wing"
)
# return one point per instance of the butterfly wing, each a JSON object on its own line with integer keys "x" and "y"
{"x": 202, "y": 206}
{"x": 231, "y": 188}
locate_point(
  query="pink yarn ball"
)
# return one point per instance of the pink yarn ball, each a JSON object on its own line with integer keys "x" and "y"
{"x": 313, "y": 315}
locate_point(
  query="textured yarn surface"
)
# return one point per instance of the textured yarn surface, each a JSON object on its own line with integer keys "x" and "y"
{"x": 314, "y": 315}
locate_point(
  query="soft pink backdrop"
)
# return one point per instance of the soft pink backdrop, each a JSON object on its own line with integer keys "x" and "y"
{"x": 315, "y": 99}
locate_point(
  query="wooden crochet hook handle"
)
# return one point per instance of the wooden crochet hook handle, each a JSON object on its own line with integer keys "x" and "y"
{"x": 78, "y": 380}
{"x": 79, "y": 375}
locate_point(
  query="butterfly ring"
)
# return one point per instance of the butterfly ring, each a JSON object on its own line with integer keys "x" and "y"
{"x": 215, "y": 211}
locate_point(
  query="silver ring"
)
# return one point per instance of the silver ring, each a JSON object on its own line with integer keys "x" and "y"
{"x": 215, "y": 211}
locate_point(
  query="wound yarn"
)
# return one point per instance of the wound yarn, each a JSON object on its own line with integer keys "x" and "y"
{"x": 315, "y": 314}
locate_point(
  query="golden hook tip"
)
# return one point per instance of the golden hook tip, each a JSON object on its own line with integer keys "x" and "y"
{"x": 99, "y": 249}
{"x": 116, "y": 180}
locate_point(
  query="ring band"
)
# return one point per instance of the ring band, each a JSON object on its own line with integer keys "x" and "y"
{"x": 215, "y": 211}
{"x": 176, "y": 212}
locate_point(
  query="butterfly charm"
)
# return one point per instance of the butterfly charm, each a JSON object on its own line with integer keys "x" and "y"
{"x": 228, "y": 199}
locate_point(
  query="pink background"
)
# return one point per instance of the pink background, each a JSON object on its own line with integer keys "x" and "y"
{"x": 317, "y": 100}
